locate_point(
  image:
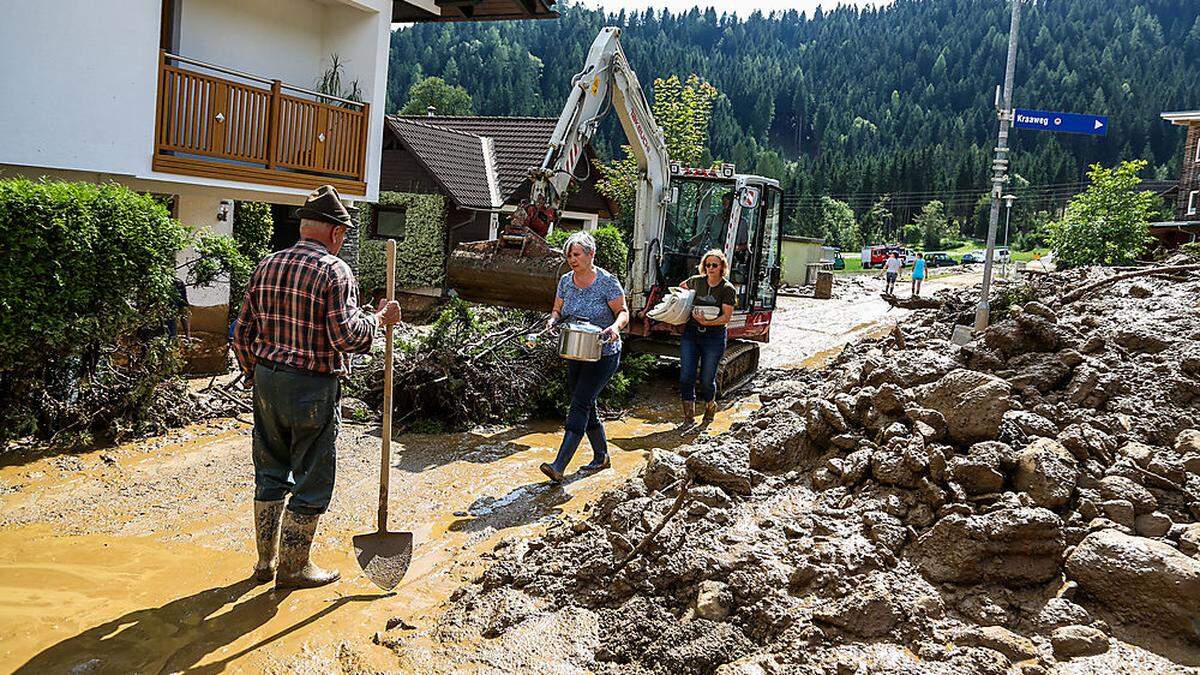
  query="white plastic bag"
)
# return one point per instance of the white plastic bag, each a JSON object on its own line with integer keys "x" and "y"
{"x": 675, "y": 308}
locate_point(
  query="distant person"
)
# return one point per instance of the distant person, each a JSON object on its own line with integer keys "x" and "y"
{"x": 918, "y": 274}
{"x": 299, "y": 322}
{"x": 704, "y": 337}
{"x": 891, "y": 270}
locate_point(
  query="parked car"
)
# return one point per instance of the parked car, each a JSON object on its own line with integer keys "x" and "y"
{"x": 976, "y": 256}
{"x": 839, "y": 263}
{"x": 1003, "y": 255}
{"x": 939, "y": 260}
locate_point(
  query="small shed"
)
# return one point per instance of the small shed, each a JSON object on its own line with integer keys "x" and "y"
{"x": 798, "y": 253}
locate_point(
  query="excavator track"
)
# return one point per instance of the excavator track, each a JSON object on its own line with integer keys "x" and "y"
{"x": 737, "y": 367}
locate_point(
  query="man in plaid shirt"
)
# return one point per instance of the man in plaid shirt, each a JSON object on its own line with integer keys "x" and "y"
{"x": 299, "y": 323}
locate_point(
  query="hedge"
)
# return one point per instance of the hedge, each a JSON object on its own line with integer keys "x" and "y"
{"x": 87, "y": 282}
{"x": 420, "y": 257}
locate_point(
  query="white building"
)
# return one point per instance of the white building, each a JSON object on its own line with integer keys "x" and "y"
{"x": 207, "y": 100}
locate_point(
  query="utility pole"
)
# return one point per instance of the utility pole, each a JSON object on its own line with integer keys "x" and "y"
{"x": 999, "y": 168}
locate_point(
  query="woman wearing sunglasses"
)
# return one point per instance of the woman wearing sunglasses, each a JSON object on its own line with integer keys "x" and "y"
{"x": 703, "y": 342}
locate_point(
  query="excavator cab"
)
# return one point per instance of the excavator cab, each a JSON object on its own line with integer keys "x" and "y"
{"x": 738, "y": 214}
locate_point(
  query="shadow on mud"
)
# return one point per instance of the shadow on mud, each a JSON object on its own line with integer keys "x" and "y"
{"x": 177, "y": 635}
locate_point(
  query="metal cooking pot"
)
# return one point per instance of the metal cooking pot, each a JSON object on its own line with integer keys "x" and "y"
{"x": 580, "y": 341}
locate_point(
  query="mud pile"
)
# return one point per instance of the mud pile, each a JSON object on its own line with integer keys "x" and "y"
{"x": 1023, "y": 503}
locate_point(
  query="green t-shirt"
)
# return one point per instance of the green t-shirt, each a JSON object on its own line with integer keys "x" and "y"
{"x": 711, "y": 296}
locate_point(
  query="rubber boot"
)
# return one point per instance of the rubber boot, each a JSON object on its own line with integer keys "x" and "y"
{"x": 570, "y": 443}
{"x": 295, "y": 543}
{"x": 689, "y": 414}
{"x": 710, "y": 411}
{"x": 599, "y": 443}
{"x": 267, "y": 518}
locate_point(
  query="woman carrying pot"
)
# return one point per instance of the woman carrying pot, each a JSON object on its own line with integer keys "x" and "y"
{"x": 591, "y": 294}
{"x": 703, "y": 341}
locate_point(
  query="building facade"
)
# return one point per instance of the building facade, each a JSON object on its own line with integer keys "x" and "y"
{"x": 1185, "y": 228}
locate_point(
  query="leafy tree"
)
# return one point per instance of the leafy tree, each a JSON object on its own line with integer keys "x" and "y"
{"x": 447, "y": 99}
{"x": 1108, "y": 223}
{"x": 682, "y": 110}
{"x": 874, "y": 225}
{"x": 839, "y": 223}
{"x": 931, "y": 225}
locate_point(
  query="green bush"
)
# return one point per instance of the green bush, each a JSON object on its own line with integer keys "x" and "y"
{"x": 420, "y": 256}
{"x": 1107, "y": 224}
{"x": 86, "y": 274}
{"x": 252, "y": 228}
{"x": 611, "y": 252}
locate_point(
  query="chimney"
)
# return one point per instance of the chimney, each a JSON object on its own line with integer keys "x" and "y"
{"x": 430, "y": 111}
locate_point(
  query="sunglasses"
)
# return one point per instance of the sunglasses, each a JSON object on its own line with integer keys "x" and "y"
{"x": 712, "y": 265}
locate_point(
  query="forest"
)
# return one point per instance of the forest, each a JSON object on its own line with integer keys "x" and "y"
{"x": 862, "y": 104}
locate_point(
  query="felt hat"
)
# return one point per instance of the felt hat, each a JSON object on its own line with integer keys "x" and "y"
{"x": 325, "y": 205}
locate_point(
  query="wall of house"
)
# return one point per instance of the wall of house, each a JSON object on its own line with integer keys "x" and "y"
{"x": 1189, "y": 176}
{"x": 797, "y": 255}
{"x": 81, "y": 76}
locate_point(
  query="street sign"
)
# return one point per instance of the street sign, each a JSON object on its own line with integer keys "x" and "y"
{"x": 1069, "y": 123}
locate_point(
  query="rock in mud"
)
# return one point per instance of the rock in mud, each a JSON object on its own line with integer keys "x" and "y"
{"x": 1120, "y": 487}
{"x": 1059, "y": 612}
{"x": 663, "y": 469}
{"x": 1140, "y": 580}
{"x": 713, "y": 600}
{"x": 870, "y": 611}
{"x": 908, "y": 368}
{"x": 1013, "y": 546}
{"x": 1072, "y": 641}
{"x": 1143, "y": 338}
{"x": 1188, "y": 442}
{"x": 1030, "y": 424}
{"x": 997, "y": 638}
{"x": 724, "y": 464}
{"x": 972, "y": 403}
{"x": 780, "y": 446}
{"x": 1047, "y": 472}
{"x": 1154, "y": 525}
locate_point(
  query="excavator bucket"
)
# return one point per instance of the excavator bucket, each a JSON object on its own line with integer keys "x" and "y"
{"x": 512, "y": 271}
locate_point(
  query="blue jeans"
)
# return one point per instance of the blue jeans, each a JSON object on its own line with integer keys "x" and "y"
{"x": 585, "y": 381}
{"x": 296, "y": 418}
{"x": 700, "y": 351}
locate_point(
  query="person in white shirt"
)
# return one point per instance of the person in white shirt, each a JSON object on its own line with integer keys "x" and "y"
{"x": 891, "y": 268}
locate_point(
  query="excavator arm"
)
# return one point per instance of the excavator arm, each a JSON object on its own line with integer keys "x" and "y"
{"x": 485, "y": 271}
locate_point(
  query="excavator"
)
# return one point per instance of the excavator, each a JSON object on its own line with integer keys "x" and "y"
{"x": 679, "y": 213}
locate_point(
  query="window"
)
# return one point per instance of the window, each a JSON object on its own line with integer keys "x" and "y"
{"x": 1192, "y": 198}
{"x": 390, "y": 222}
{"x": 1198, "y": 147}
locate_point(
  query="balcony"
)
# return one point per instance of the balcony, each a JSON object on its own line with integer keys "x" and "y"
{"x": 246, "y": 128}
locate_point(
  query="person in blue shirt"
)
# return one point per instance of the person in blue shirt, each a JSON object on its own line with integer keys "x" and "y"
{"x": 918, "y": 274}
{"x": 592, "y": 294}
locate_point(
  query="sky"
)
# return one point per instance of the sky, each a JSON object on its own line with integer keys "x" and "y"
{"x": 742, "y": 7}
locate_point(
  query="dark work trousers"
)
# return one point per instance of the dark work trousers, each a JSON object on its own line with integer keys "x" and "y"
{"x": 296, "y": 418}
{"x": 585, "y": 381}
{"x": 700, "y": 353}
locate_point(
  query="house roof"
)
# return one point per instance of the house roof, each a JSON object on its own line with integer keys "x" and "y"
{"x": 1182, "y": 117}
{"x": 464, "y": 164}
{"x": 520, "y": 142}
{"x": 474, "y": 10}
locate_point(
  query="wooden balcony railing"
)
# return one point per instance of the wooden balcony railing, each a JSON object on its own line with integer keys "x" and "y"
{"x": 248, "y": 129}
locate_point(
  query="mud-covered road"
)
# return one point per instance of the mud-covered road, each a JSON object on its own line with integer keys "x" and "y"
{"x": 136, "y": 558}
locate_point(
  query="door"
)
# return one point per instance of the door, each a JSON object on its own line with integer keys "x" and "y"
{"x": 766, "y": 260}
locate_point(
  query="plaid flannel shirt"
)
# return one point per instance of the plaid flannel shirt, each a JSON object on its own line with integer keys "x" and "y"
{"x": 301, "y": 310}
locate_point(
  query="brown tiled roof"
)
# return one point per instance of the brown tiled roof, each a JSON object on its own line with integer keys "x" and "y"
{"x": 475, "y": 10}
{"x": 520, "y": 142}
{"x": 459, "y": 161}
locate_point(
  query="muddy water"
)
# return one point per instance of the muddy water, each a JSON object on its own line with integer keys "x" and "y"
{"x": 153, "y": 582}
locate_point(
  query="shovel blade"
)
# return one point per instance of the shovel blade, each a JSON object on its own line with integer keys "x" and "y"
{"x": 384, "y": 556}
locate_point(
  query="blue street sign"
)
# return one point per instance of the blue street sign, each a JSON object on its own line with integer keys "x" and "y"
{"x": 1069, "y": 123}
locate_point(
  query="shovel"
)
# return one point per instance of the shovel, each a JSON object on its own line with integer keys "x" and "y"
{"x": 384, "y": 556}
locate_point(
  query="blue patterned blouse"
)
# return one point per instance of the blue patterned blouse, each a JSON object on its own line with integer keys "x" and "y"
{"x": 591, "y": 303}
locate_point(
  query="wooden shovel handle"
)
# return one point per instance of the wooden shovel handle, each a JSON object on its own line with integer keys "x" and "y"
{"x": 385, "y": 464}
